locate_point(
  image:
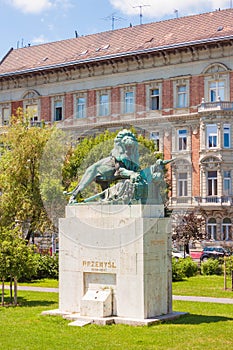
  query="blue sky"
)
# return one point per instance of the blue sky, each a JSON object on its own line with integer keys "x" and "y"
{"x": 24, "y": 22}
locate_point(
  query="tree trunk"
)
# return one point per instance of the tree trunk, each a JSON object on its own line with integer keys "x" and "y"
{"x": 15, "y": 291}
{"x": 11, "y": 295}
{"x": 3, "y": 285}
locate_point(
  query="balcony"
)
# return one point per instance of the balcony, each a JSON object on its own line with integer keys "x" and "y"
{"x": 214, "y": 201}
{"x": 215, "y": 106}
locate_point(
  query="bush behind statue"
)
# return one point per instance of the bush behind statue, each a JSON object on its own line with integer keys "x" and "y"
{"x": 211, "y": 267}
{"x": 46, "y": 266}
{"x": 182, "y": 268}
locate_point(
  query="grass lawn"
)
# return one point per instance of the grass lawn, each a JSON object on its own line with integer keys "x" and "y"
{"x": 205, "y": 286}
{"x": 208, "y": 326}
{"x": 46, "y": 282}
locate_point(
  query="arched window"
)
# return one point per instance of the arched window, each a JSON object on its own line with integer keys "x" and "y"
{"x": 212, "y": 229}
{"x": 226, "y": 229}
{"x": 216, "y": 82}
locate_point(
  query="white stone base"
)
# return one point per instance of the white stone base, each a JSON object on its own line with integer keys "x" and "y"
{"x": 122, "y": 248}
{"x": 81, "y": 321}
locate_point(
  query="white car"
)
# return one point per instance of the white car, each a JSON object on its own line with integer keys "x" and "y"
{"x": 178, "y": 254}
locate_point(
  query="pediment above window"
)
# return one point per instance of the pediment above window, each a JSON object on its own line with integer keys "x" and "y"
{"x": 216, "y": 68}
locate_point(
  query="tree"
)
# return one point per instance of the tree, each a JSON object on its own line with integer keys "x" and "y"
{"x": 16, "y": 258}
{"x": 189, "y": 227}
{"x": 20, "y": 201}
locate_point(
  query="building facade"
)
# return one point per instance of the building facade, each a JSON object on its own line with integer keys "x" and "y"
{"x": 173, "y": 80}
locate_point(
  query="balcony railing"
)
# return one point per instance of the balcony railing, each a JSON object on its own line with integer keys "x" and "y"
{"x": 217, "y": 105}
{"x": 194, "y": 201}
{"x": 223, "y": 200}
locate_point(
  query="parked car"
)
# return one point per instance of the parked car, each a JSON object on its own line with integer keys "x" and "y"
{"x": 213, "y": 252}
{"x": 178, "y": 254}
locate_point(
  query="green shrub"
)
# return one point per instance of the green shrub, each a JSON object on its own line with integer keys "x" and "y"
{"x": 182, "y": 268}
{"x": 47, "y": 266}
{"x": 211, "y": 267}
{"x": 177, "y": 272}
{"x": 189, "y": 267}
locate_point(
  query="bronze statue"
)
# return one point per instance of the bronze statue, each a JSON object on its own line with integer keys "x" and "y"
{"x": 122, "y": 166}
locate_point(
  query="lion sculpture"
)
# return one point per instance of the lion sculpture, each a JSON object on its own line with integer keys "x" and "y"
{"x": 122, "y": 165}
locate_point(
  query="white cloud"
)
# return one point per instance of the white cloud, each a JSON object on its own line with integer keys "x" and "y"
{"x": 31, "y": 6}
{"x": 39, "y": 40}
{"x": 157, "y": 9}
{"x": 38, "y": 6}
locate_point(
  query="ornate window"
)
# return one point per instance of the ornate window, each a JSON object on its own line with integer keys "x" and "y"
{"x": 5, "y": 112}
{"x": 154, "y": 99}
{"x": 212, "y": 183}
{"x": 226, "y": 233}
{"x": 155, "y": 137}
{"x": 57, "y": 111}
{"x": 57, "y": 108}
{"x": 182, "y": 140}
{"x": 212, "y": 135}
{"x": 216, "y": 83}
{"x": 81, "y": 107}
{"x": 212, "y": 229}
{"x": 154, "y": 96}
{"x": 226, "y": 182}
{"x": 31, "y": 105}
{"x": 182, "y": 96}
{"x": 181, "y": 179}
{"x": 182, "y": 185}
{"x": 104, "y": 104}
{"x": 226, "y": 136}
{"x": 129, "y": 102}
{"x": 181, "y": 93}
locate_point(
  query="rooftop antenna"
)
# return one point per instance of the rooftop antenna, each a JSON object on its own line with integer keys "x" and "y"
{"x": 140, "y": 11}
{"x": 230, "y": 3}
{"x": 113, "y": 18}
{"x": 176, "y": 12}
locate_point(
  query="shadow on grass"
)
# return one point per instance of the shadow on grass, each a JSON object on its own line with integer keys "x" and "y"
{"x": 198, "y": 319}
{"x": 22, "y": 302}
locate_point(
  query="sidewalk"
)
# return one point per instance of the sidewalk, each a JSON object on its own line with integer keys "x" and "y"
{"x": 174, "y": 297}
{"x": 203, "y": 299}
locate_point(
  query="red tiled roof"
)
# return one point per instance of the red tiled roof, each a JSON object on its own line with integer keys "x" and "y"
{"x": 157, "y": 35}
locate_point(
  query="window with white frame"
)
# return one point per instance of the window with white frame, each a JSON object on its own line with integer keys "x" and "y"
{"x": 104, "y": 105}
{"x": 216, "y": 90}
{"x": 155, "y": 137}
{"x": 212, "y": 182}
{"x": 212, "y": 135}
{"x": 182, "y": 140}
{"x": 58, "y": 110}
{"x": 212, "y": 229}
{"x": 32, "y": 112}
{"x": 129, "y": 102}
{"x": 182, "y": 185}
{"x": 154, "y": 99}
{"x": 182, "y": 97}
{"x": 226, "y": 229}
{"x": 5, "y": 116}
{"x": 81, "y": 107}
{"x": 226, "y": 136}
{"x": 226, "y": 182}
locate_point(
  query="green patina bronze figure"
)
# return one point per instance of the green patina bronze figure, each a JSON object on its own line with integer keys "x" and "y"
{"x": 122, "y": 167}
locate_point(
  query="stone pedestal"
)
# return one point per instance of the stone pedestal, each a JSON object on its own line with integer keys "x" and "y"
{"x": 115, "y": 260}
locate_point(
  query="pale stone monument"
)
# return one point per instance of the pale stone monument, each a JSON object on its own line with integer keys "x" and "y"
{"x": 115, "y": 253}
{"x": 115, "y": 262}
